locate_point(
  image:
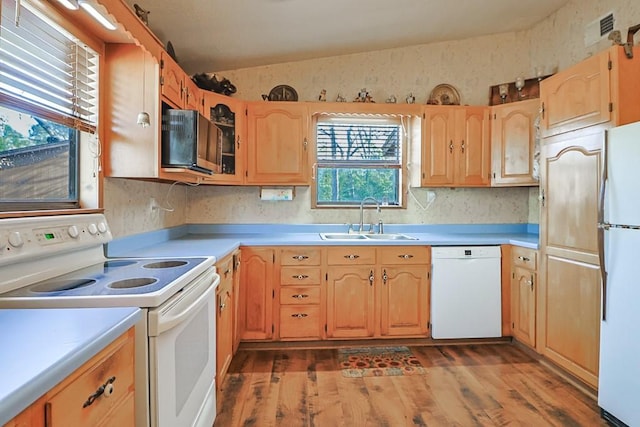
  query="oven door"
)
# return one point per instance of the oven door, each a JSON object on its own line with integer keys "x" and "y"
{"x": 182, "y": 356}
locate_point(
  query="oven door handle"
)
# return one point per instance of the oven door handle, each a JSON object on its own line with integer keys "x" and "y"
{"x": 185, "y": 304}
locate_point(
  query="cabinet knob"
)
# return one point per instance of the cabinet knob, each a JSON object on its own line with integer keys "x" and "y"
{"x": 352, "y": 256}
{"x": 300, "y": 257}
{"x": 451, "y": 146}
{"x": 106, "y": 389}
{"x": 300, "y": 296}
{"x": 405, "y": 256}
{"x": 523, "y": 258}
{"x": 300, "y": 276}
{"x": 299, "y": 315}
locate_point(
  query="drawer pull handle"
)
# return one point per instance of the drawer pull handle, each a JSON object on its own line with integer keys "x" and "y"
{"x": 300, "y": 276}
{"x": 106, "y": 389}
{"x": 352, "y": 256}
{"x": 299, "y": 315}
{"x": 405, "y": 256}
{"x": 300, "y": 296}
{"x": 523, "y": 258}
{"x": 300, "y": 257}
{"x": 226, "y": 273}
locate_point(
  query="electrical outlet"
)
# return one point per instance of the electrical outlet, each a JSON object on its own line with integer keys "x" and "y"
{"x": 153, "y": 204}
{"x": 431, "y": 196}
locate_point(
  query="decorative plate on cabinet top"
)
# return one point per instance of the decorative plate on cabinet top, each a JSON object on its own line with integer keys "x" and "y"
{"x": 444, "y": 94}
{"x": 283, "y": 93}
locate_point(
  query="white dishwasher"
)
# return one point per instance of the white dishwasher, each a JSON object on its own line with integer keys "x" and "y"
{"x": 466, "y": 292}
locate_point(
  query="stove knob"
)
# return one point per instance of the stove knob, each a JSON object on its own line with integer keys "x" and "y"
{"x": 93, "y": 229}
{"x": 73, "y": 232}
{"x": 15, "y": 239}
{"x": 102, "y": 227}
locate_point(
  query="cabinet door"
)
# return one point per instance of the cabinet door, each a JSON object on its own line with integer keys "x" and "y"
{"x": 224, "y": 318}
{"x": 472, "y": 146}
{"x": 576, "y": 97}
{"x": 350, "y": 301}
{"x": 405, "y": 300}
{"x": 513, "y": 143}
{"x": 438, "y": 146}
{"x": 523, "y": 312}
{"x": 230, "y": 116}
{"x": 238, "y": 320}
{"x": 278, "y": 143}
{"x": 257, "y": 293}
{"x": 192, "y": 95}
{"x": 172, "y": 81}
{"x": 569, "y": 325}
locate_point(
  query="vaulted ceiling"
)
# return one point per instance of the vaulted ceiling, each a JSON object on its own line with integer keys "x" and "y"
{"x": 215, "y": 35}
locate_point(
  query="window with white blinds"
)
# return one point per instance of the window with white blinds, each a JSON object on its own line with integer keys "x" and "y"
{"x": 46, "y": 70}
{"x": 48, "y": 108}
{"x": 358, "y": 157}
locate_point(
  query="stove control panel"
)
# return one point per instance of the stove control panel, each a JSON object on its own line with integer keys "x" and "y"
{"x": 31, "y": 238}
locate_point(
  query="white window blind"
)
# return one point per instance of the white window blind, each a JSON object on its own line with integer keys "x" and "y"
{"x": 46, "y": 70}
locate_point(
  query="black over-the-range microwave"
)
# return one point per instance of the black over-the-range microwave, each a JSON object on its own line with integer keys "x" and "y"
{"x": 190, "y": 140}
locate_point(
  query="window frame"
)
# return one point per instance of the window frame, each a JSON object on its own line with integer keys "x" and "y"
{"x": 405, "y": 140}
{"x": 87, "y": 150}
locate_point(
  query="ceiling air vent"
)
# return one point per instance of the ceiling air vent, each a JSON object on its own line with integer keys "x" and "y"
{"x": 598, "y": 29}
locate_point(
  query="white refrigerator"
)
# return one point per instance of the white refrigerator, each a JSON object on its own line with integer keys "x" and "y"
{"x": 619, "y": 235}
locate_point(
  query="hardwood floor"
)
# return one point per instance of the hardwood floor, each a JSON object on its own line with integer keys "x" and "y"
{"x": 465, "y": 385}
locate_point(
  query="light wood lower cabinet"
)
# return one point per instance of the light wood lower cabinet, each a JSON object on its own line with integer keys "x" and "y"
{"x": 299, "y": 296}
{"x": 569, "y": 295}
{"x": 377, "y": 292}
{"x": 256, "y": 289}
{"x": 224, "y": 318}
{"x": 70, "y": 402}
{"x": 524, "y": 290}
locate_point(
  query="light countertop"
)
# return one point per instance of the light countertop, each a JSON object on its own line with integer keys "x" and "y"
{"x": 41, "y": 347}
{"x": 220, "y": 240}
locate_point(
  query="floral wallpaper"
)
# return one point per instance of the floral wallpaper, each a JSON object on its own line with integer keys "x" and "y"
{"x": 470, "y": 65}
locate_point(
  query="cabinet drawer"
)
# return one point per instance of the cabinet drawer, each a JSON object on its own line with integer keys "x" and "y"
{"x": 300, "y": 321}
{"x": 300, "y": 256}
{"x": 404, "y": 255}
{"x": 300, "y": 295}
{"x": 65, "y": 408}
{"x": 524, "y": 257}
{"x": 351, "y": 255}
{"x": 299, "y": 276}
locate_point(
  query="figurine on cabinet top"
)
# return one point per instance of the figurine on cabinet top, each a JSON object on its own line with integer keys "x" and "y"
{"x": 323, "y": 95}
{"x": 410, "y": 98}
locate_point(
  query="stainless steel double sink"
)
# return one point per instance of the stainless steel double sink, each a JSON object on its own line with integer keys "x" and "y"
{"x": 348, "y": 236}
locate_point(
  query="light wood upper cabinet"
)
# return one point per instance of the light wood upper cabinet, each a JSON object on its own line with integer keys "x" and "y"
{"x": 600, "y": 89}
{"x": 193, "y": 96}
{"x": 455, "y": 151}
{"x": 133, "y": 151}
{"x": 230, "y": 116}
{"x": 513, "y": 143}
{"x": 278, "y": 148}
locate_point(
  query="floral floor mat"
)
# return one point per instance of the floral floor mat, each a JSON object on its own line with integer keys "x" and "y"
{"x": 378, "y": 362}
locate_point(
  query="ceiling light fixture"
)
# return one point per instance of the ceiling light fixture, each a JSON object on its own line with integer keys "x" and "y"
{"x": 90, "y": 8}
{"x": 70, "y": 4}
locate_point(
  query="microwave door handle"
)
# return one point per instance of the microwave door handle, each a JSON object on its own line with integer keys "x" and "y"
{"x": 602, "y": 226}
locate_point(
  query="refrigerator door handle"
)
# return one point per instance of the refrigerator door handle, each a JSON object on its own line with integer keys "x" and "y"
{"x": 602, "y": 226}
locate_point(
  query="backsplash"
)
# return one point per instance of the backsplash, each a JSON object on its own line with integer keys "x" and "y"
{"x": 451, "y": 206}
{"x": 127, "y": 205}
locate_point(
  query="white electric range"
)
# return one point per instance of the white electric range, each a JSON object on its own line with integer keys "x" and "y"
{"x": 59, "y": 262}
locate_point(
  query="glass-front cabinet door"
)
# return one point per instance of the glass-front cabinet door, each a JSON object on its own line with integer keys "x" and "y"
{"x": 229, "y": 115}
